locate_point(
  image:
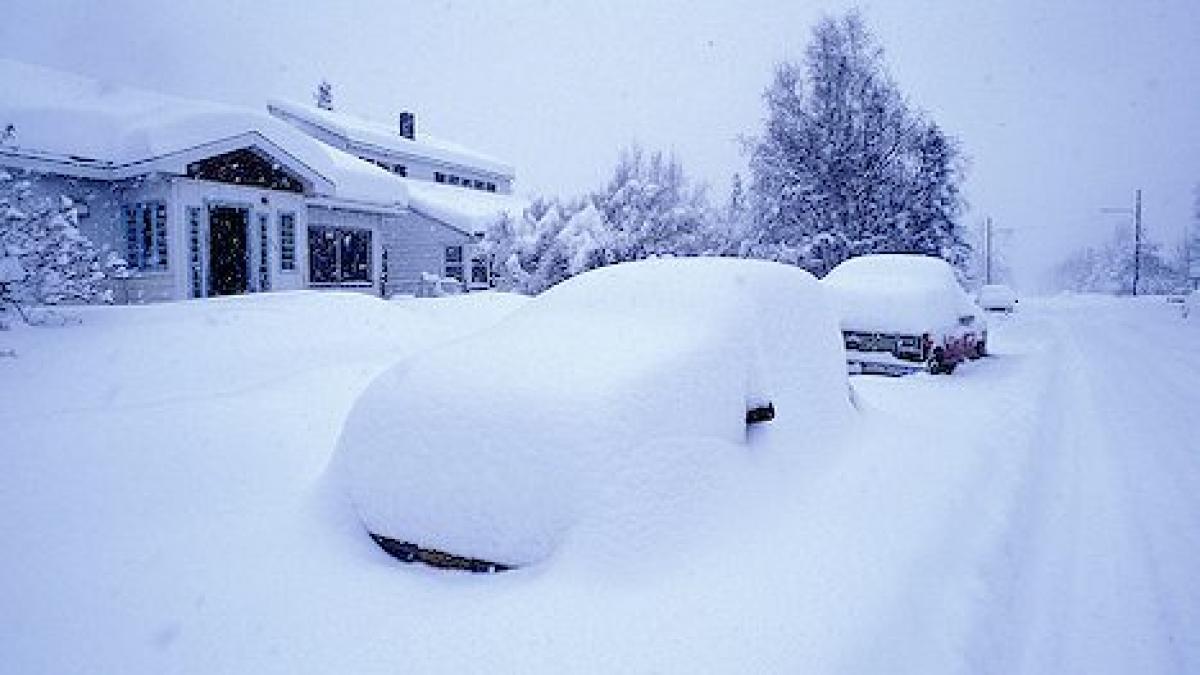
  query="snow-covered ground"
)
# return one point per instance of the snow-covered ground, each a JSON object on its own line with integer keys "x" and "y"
{"x": 165, "y": 506}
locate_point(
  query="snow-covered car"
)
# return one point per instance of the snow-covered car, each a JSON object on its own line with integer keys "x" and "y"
{"x": 997, "y": 298}
{"x": 900, "y": 313}
{"x": 611, "y": 392}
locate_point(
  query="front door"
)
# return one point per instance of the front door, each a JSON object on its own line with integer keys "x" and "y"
{"x": 228, "y": 255}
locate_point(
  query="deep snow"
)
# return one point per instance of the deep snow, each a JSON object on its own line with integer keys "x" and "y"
{"x": 606, "y": 408}
{"x": 165, "y": 506}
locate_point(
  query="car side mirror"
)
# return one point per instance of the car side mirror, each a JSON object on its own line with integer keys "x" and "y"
{"x": 760, "y": 413}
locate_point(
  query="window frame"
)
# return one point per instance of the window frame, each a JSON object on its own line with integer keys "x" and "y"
{"x": 286, "y": 224}
{"x": 196, "y": 248}
{"x": 340, "y": 276}
{"x": 453, "y": 266}
{"x": 264, "y": 252}
{"x": 146, "y": 236}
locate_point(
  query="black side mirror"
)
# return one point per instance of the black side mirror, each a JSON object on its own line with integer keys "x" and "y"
{"x": 761, "y": 413}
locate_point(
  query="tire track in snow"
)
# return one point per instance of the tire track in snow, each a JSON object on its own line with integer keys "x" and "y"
{"x": 1087, "y": 591}
{"x": 1156, "y": 449}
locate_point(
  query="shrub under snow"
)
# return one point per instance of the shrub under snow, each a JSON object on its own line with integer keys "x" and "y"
{"x": 57, "y": 262}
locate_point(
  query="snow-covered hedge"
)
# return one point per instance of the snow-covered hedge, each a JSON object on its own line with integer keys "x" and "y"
{"x": 596, "y": 398}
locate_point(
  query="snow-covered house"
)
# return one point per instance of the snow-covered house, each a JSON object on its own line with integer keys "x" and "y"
{"x": 204, "y": 199}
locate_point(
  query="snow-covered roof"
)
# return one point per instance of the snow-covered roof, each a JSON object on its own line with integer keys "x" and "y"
{"x": 387, "y": 138}
{"x": 897, "y": 293}
{"x": 471, "y": 211}
{"x": 113, "y": 131}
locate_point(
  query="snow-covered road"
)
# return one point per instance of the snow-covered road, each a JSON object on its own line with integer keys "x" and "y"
{"x": 166, "y": 510}
{"x": 1108, "y": 578}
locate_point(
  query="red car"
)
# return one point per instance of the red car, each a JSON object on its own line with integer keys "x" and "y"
{"x": 900, "y": 313}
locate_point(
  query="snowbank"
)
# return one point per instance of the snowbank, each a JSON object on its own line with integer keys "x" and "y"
{"x": 897, "y": 293}
{"x": 164, "y": 508}
{"x": 582, "y": 412}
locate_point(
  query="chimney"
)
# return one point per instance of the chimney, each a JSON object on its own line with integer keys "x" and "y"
{"x": 408, "y": 125}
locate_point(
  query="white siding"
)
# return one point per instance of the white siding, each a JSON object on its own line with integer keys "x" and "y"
{"x": 342, "y": 217}
{"x": 416, "y": 244}
{"x": 190, "y": 193}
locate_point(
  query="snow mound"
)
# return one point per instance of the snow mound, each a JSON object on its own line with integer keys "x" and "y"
{"x": 897, "y": 293}
{"x": 584, "y": 407}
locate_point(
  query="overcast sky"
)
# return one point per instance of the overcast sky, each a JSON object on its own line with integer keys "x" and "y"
{"x": 1062, "y": 107}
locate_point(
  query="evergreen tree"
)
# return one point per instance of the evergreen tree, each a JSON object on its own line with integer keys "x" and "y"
{"x": 649, "y": 208}
{"x": 652, "y": 208}
{"x": 844, "y": 167}
{"x": 59, "y": 263}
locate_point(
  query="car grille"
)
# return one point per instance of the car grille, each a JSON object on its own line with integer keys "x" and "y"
{"x": 902, "y": 346}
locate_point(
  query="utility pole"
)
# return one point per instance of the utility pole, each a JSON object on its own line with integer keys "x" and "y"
{"x": 987, "y": 250}
{"x": 1137, "y": 235}
{"x": 1137, "y": 241}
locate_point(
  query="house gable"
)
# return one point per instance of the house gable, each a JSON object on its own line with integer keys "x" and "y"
{"x": 248, "y": 167}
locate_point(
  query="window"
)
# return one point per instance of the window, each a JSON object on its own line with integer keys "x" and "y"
{"x": 339, "y": 255}
{"x": 146, "y": 235}
{"x": 264, "y": 253}
{"x": 455, "y": 180}
{"x": 454, "y": 263}
{"x": 195, "y": 263}
{"x": 401, "y": 170}
{"x": 491, "y": 187}
{"x": 477, "y": 184}
{"x": 439, "y": 176}
{"x": 287, "y": 242}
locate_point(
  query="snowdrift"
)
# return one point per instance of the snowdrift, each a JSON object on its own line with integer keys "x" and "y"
{"x": 581, "y": 412}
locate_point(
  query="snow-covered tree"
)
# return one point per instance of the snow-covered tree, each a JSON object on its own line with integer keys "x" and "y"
{"x": 1192, "y": 247}
{"x": 527, "y": 253}
{"x": 1108, "y": 268}
{"x": 648, "y": 208}
{"x": 975, "y": 272}
{"x": 653, "y": 209}
{"x": 731, "y": 230}
{"x": 844, "y": 167}
{"x": 60, "y": 264}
